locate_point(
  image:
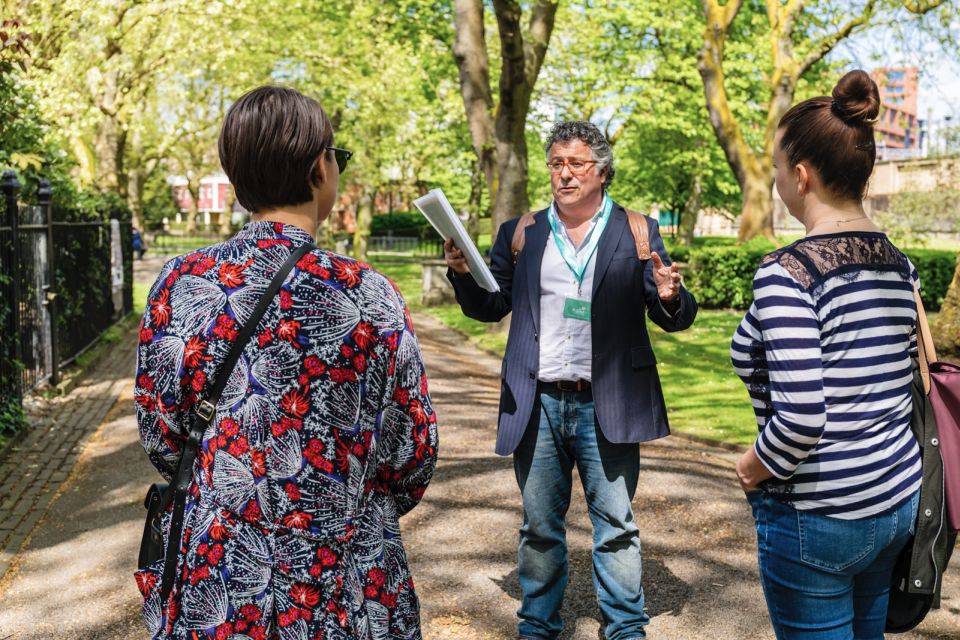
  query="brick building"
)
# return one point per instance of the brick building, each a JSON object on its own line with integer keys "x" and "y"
{"x": 898, "y": 126}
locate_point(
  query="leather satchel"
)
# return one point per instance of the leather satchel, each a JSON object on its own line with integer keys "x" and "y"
{"x": 160, "y": 497}
{"x": 917, "y": 575}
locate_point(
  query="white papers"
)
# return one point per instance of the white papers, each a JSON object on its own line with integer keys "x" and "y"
{"x": 437, "y": 210}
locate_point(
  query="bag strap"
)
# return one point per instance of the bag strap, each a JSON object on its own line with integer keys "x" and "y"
{"x": 639, "y": 227}
{"x": 926, "y": 350}
{"x": 203, "y": 413}
{"x": 641, "y": 233}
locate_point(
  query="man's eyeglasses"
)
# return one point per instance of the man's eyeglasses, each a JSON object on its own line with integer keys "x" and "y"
{"x": 342, "y": 156}
{"x": 577, "y": 167}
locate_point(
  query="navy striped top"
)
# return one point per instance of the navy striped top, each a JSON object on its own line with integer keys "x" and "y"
{"x": 825, "y": 352}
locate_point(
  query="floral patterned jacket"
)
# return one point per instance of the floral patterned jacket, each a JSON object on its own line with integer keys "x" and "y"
{"x": 323, "y": 437}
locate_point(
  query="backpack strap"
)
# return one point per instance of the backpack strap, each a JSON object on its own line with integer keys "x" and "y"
{"x": 639, "y": 227}
{"x": 519, "y": 235}
{"x": 203, "y": 413}
{"x": 641, "y": 233}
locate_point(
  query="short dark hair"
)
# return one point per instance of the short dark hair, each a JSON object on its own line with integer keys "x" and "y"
{"x": 835, "y": 134}
{"x": 270, "y": 144}
{"x": 588, "y": 133}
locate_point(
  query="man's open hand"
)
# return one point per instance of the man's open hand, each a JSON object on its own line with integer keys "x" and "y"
{"x": 666, "y": 278}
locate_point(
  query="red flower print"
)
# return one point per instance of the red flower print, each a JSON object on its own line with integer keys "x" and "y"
{"x": 232, "y": 275}
{"x": 147, "y": 402}
{"x": 418, "y": 413}
{"x": 146, "y": 335}
{"x": 358, "y": 450}
{"x": 292, "y": 491}
{"x": 258, "y": 633}
{"x": 204, "y": 265}
{"x": 226, "y": 328}
{"x": 250, "y": 612}
{"x": 347, "y": 272}
{"x": 340, "y": 376}
{"x": 272, "y": 242}
{"x": 364, "y": 335}
{"x": 146, "y": 581}
{"x": 401, "y": 396}
{"x": 326, "y": 556}
{"x": 376, "y": 576}
{"x": 316, "y": 570}
{"x": 145, "y": 382}
{"x": 203, "y": 548}
{"x": 193, "y": 353}
{"x": 314, "y": 367}
{"x": 346, "y": 351}
{"x": 215, "y": 555}
{"x": 305, "y": 595}
{"x": 296, "y": 402}
{"x": 265, "y": 338}
{"x": 229, "y": 426}
{"x": 238, "y": 447}
{"x": 160, "y": 308}
{"x": 171, "y": 278}
{"x": 286, "y": 300}
{"x": 224, "y": 631}
{"x": 198, "y": 380}
{"x": 287, "y": 330}
{"x": 218, "y": 530}
{"x": 360, "y": 363}
{"x": 258, "y": 463}
{"x": 298, "y": 520}
{"x": 370, "y": 591}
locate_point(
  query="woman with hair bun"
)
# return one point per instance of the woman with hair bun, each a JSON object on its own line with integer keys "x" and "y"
{"x": 825, "y": 351}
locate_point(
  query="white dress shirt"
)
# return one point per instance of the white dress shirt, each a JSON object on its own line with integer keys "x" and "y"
{"x": 566, "y": 345}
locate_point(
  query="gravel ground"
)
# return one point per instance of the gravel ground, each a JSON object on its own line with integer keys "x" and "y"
{"x": 73, "y": 578}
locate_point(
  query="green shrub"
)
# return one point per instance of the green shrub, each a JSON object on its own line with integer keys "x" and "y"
{"x": 936, "y": 271}
{"x": 722, "y": 277}
{"x": 401, "y": 223}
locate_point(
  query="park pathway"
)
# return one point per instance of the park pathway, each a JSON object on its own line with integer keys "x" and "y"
{"x": 70, "y": 521}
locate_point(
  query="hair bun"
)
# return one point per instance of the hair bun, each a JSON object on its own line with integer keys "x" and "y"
{"x": 856, "y": 99}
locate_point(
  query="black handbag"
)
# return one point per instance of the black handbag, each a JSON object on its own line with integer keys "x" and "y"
{"x": 160, "y": 496}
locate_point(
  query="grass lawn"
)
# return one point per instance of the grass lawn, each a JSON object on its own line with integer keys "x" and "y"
{"x": 704, "y": 397}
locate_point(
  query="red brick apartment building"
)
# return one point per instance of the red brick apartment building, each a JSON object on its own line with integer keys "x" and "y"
{"x": 898, "y": 126}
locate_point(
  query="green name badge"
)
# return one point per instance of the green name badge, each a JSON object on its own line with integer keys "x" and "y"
{"x": 576, "y": 309}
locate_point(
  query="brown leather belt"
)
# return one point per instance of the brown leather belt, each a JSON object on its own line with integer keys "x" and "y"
{"x": 567, "y": 385}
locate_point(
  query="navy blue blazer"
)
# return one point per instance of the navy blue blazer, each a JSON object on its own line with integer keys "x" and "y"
{"x": 626, "y": 387}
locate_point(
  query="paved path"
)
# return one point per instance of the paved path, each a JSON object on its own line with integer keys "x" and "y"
{"x": 86, "y": 474}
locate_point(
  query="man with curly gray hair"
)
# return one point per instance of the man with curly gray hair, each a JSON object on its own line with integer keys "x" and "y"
{"x": 579, "y": 384}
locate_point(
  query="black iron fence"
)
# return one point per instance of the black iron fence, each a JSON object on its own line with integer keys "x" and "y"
{"x": 65, "y": 276}
{"x": 411, "y": 246}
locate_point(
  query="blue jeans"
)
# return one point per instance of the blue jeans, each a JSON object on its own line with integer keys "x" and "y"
{"x": 826, "y": 578}
{"x": 566, "y": 433}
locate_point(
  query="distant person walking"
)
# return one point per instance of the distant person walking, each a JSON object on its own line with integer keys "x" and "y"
{"x": 138, "y": 247}
{"x": 324, "y": 435}
{"x": 825, "y": 351}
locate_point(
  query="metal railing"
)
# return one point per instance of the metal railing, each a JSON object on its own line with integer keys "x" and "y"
{"x": 65, "y": 277}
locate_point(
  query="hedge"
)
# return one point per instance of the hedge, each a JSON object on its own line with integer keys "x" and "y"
{"x": 401, "y": 223}
{"x": 722, "y": 277}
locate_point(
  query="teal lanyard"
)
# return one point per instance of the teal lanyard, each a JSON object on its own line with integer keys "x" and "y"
{"x": 577, "y": 262}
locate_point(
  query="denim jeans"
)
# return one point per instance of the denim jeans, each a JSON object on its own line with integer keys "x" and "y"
{"x": 826, "y": 578}
{"x": 566, "y": 433}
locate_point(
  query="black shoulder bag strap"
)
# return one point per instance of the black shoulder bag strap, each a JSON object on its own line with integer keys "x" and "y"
{"x": 203, "y": 413}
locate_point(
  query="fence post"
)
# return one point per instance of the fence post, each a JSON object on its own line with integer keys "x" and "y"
{"x": 45, "y": 202}
{"x": 11, "y": 187}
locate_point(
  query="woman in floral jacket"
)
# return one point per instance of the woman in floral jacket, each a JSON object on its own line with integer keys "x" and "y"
{"x": 324, "y": 435}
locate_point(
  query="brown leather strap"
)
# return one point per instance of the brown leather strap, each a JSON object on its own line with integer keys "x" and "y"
{"x": 638, "y": 227}
{"x": 641, "y": 233}
{"x": 926, "y": 350}
{"x": 516, "y": 243}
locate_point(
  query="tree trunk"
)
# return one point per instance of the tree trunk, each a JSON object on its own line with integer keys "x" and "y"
{"x": 475, "y": 204}
{"x": 470, "y": 53}
{"x": 691, "y": 211}
{"x": 362, "y": 228}
{"x": 135, "y": 182}
{"x": 756, "y": 218}
{"x": 946, "y": 328}
{"x": 522, "y": 56}
{"x": 193, "y": 186}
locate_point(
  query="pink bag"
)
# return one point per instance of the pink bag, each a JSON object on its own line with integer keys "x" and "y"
{"x": 941, "y": 381}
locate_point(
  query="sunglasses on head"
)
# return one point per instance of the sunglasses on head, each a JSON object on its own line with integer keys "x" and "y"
{"x": 342, "y": 156}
